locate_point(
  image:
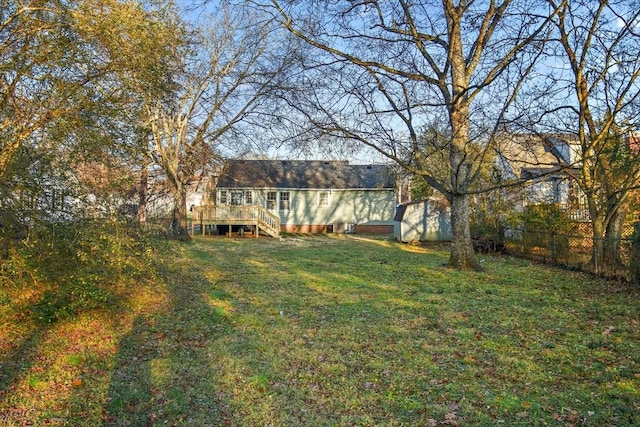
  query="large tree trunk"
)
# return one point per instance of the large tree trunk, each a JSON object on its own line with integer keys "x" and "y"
{"x": 178, "y": 229}
{"x": 598, "y": 245}
{"x": 462, "y": 256}
{"x": 611, "y": 256}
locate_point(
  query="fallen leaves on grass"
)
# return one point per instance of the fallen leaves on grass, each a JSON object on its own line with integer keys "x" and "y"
{"x": 609, "y": 331}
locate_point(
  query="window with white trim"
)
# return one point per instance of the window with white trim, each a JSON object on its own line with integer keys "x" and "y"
{"x": 236, "y": 198}
{"x": 284, "y": 201}
{"x": 323, "y": 199}
{"x": 248, "y": 197}
{"x": 272, "y": 198}
{"x": 223, "y": 197}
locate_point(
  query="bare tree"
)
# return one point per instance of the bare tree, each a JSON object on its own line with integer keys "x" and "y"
{"x": 599, "y": 104}
{"x": 385, "y": 71}
{"x": 229, "y": 72}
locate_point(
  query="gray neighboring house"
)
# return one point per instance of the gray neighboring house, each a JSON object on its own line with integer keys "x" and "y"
{"x": 422, "y": 220}
{"x": 544, "y": 163}
{"x": 313, "y": 196}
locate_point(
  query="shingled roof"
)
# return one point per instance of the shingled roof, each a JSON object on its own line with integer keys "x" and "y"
{"x": 304, "y": 174}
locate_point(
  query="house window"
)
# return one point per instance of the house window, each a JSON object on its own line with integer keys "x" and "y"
{"x": 284, "y": 201}
{"x": 271, "y": 200}
{"x": 52, "y": 201}
{"x": 323, "y": 198}
{"x": 248, "y": 197}
{"x": 236, "y": 197}
{"x": 223, "y": 197}
{"x": 56, "y": 200}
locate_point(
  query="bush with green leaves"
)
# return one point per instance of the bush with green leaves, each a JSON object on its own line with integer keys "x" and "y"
{"x": 71, "y": 267}
{"x": 547, "y": 226}
{"x": 493, "y": 213}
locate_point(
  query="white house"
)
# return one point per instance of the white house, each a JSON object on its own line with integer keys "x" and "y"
{"x": 312, "y": 196}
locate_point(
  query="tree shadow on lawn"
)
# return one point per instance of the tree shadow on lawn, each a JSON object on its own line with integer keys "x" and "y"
{"x": 310, "y": 343}
{"x": 19, "y": 361}
{"x": 163, "y": 372}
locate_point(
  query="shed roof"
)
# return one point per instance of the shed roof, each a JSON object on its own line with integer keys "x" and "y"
{"x": 304, "y": 174}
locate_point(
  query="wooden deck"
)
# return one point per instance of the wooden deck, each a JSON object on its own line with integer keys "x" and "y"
{"x": 256, "y": 217}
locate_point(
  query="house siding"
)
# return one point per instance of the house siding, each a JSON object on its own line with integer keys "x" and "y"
{"x": 372, "y": 210}
{"x": 345, "y": 206}
{"x": 313, "y": 196}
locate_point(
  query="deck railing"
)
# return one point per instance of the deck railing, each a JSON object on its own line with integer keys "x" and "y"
{"x": 578, "y": 213}
{"x": 237, "y": 213}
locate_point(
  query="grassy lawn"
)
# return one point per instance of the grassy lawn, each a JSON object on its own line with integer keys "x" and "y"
{"x": 329, "y": 331}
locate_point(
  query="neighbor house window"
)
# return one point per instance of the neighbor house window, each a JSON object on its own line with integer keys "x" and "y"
{"x": 323, "y": 198}
{"x": 56, "y": 200}
{"x": 271, "y": 199}
{"x": 248, "y": 197}
{"x": 223, "y": 197}
{"x": 284, "y": 201}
